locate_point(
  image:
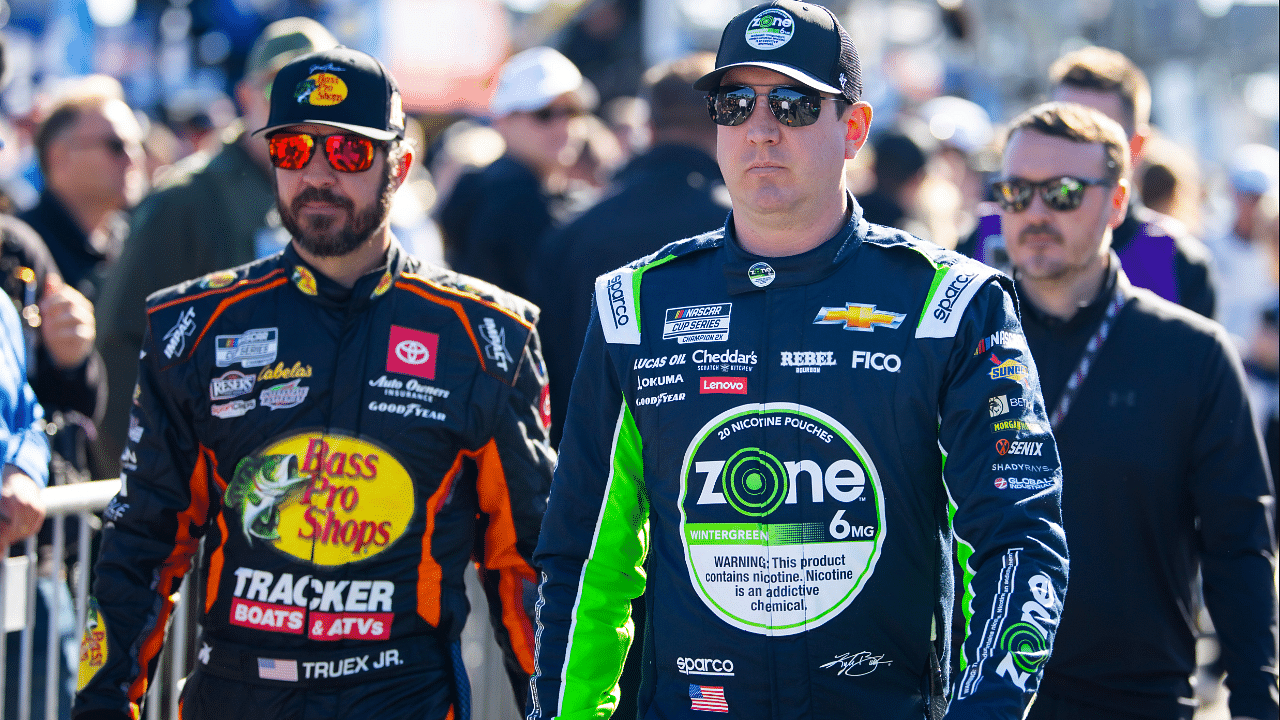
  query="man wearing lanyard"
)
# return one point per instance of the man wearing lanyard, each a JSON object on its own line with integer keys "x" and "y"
{"x": 1164, "y": 472}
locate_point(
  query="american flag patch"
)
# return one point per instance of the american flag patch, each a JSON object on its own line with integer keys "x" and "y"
{"x": 708, "y": 698}
{"x": 286, "y": 670}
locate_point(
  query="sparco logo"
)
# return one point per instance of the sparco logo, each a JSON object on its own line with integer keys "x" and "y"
{"x": 1019, "y": 447}
{"x": 704, "y": 666}
{"x": 957, "y": 286}
{"x": 618, "y": 302}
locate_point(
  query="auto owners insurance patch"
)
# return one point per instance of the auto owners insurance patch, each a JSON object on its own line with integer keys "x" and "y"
{"x": 782, "y": 517}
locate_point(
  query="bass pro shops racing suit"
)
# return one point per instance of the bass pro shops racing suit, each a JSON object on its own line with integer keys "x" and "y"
{"x": 794, "y": 444}
{"x": 344, "y": 453}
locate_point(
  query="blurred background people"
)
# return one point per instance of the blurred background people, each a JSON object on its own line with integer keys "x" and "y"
{"x": 213, "y": 212}
{"x": 90, "y": 150}
{"x": 495, "y": 217}
{"x": 1241, "y": 253}
{"x": 672, "y": 191}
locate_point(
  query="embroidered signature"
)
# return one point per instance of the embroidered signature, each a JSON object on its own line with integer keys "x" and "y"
{"x": 851, "y": 663}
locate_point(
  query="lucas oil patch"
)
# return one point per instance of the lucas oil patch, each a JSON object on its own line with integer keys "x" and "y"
{"x": 325, "y": 499}
{"x": 321, "y": 89}
{"x": 782, "y": 517}
{"x": 93, "y": 645}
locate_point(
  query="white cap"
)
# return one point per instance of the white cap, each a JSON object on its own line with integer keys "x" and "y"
{"x": 531, "y": 79}
{"x": 958, "y": 122}
{"x": 1253, "y": 169}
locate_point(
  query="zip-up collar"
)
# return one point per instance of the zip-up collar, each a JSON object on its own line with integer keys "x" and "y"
{"x": 745, "y": 272}
{"x": 320, "y": 288}
{"x": 1088, "y": 316}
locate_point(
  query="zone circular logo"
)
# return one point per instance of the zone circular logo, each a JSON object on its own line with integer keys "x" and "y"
{"x": 412, "y": 352}
{"x": 323, "y": 498}
{"x": 782, "y": 517}
{"x": 755, "y": 482}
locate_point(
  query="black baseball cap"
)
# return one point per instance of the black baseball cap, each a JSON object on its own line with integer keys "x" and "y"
{"x": 340, "y": 87}
{"x": 803, "y": 41}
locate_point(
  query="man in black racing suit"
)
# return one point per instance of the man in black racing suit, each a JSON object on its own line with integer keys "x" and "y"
{"x": 780, "y": 431}
{"x": 346, "y": 427}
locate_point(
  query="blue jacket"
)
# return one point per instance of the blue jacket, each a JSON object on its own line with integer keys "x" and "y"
{"x": 25, "y": 447}
{"x": 783, "y": 454}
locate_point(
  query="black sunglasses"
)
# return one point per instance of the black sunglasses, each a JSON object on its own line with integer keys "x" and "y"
{"x": 732, "y": 105}
{"x": 1063, "y": 194}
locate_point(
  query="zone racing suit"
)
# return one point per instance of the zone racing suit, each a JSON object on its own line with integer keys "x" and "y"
{"x": 345, "y": 453}
{"x": 782, "y": 453}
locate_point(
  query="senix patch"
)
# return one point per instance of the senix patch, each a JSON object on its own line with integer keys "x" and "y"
{"x": 616, "y": 303}
{"x": 697, "y": 323}
{"x": 949, "y": 298}
{"x": 252, "y": 348}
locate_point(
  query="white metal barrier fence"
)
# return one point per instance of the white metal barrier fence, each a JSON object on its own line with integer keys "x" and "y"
{"x": 490, "y": 690}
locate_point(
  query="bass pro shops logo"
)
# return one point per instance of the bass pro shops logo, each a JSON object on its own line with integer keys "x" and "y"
{"x": 325, "y": 499}
{"x": 782, "y": 517}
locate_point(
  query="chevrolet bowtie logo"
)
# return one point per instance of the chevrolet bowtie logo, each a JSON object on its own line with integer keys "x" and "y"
{"x": 863, "y": 318}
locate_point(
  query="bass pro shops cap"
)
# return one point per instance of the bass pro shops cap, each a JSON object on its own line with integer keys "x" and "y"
{"x": 339, "y": 87}
{"x": 801, "y": 40}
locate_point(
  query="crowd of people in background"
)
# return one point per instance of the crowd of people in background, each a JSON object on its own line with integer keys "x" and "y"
{"x": 539, "y": 196}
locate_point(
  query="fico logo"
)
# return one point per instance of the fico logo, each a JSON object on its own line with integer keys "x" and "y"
{"x": 326, "y": 499}
{"x": 732, "y": 385}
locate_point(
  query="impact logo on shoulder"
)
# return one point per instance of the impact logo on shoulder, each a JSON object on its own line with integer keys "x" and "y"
{"x": 952, "y": 290}
{"x": 252, "y": 348}
{"x": 496, "y": 339}
{"x": 175, "y": 340}
{"x": 697, "y": 323}
{"x": 616, "y": 303}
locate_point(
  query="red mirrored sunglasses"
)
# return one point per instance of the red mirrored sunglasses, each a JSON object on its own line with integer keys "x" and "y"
{"x": 346, "y": 153}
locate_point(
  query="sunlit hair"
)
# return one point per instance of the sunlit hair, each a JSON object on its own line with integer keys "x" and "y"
{"x": 1081, "y": 124}
{"x": 1105, "y": 70}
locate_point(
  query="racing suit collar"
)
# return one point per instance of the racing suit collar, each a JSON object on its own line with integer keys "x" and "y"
{"x": 371, "y": 286}
{"x": 745, "y": 272}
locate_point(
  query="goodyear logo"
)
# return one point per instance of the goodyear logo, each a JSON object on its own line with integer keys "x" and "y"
{"x": 326, "y": 499}
{"x": 321, "y": 89}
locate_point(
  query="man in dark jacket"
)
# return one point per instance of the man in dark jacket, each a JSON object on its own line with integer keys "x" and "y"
{"x": 672, "y": 191}
{"x": 1157, "y": 252}
{"x": 90, "y": 151}
{"x": 495, "y": 217}
{"x": 1163, "y": 467}
{"x": 210, "y": 213}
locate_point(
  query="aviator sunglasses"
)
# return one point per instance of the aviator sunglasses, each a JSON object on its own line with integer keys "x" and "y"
{"x": 346, "y": 153}
{"x": 732, "y": 105}
{"x": 1063, "y": 194}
